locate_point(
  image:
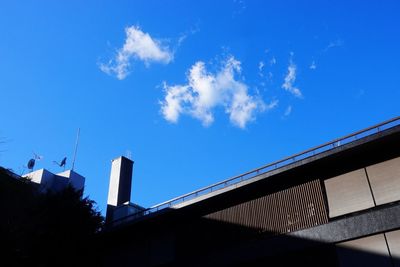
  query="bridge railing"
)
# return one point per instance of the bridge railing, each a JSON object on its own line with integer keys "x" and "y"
{"x": 267, "y": 168}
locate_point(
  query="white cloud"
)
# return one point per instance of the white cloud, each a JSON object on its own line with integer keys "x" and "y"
{"x": 138, "y": 46}
{"x": 240, "y": 7}
{"x": 288, "y": 111}
{"x": 313, "y": 66}
{"x": 186, "y": 34}
{"x": 172, "y": 105}
{"x": 336, "y": 43}
{"x": 206, "y": 91}
{"x": 272, "y": 61}
{"x": 273, "y": 104}
{"x": 261, "y": 66}
{"x": 290, "y": 78}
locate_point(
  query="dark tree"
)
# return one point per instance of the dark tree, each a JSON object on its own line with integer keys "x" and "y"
{"x": 46, "y": 229}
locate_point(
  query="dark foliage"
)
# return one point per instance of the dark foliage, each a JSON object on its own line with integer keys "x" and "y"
{"x": 46, "y": 229}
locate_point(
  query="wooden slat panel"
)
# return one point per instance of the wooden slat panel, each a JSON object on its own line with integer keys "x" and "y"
{"x": 285, "y": 211}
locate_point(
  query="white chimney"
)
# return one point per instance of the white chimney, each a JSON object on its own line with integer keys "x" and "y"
{"x": 119, "y": 190}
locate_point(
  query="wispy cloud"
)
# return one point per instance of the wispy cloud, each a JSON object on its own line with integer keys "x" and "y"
{"x": 336, "y": 43}
{"x": 288, "y": 111}
{"x": 186, "y": 34}
{"x": 271, "y": 105}
{"x": 206, "y": 91}
{"x": 139, "y": 46}
{"x": 261, "y": 66}
{"x": 272, "y": 61}
{"x": 313, "y": 65}
{"x": 289, "y": 80}
{"x": 240, "y": 7}
{"x": 360, "y": 93}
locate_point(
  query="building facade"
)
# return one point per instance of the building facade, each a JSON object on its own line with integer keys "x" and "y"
{"x": 337, "y": 204}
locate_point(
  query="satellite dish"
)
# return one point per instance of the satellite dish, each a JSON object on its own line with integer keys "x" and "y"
{"x": 31, "y": 164}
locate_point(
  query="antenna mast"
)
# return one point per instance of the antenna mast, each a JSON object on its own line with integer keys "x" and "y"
{"x": 76, "y": 148}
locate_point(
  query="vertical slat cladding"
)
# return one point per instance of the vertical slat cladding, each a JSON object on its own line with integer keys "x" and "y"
{"x": 240, "y": 215}
{"x": 302, "y": 210}
{"x": 321, "y": 207}
{"x": 272, "y": 216}
{"x": 315, "y": 207}
{"x": 296, "y": 206}
{"x": 274, "y": 198}
{"x": 223, "y": 215}
{"x": 316, "y": 219}
{"x": 256, "y": 213}
{"x": 253, "y": 214}
{"x": 303, "y": 203}
{"x": 260, "y": 213}
{"x": 286, "y": 195}
{"x": 308, "y": 204}
{"x": 275, "y": 211}
{"x": 245, "y": 211}
{"x": 248, "y": 213}
{"x": 269, "y": 216}
{"x": 292, "y": 209}
{"x": 287, "y": 214}
{"x": 282, "y": 212}
{"x": 266, "y": 224}
{"x": 243, "y": 218}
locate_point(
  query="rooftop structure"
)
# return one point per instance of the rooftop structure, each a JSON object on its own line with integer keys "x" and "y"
{"x": 56, "y": 182}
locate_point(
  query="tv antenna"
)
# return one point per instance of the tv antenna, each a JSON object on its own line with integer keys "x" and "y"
{"x": 76, "y": 148}
{"x": 36, "y": 156}
{"x": 62, "y": 163}
{"x": 128, "y": 154}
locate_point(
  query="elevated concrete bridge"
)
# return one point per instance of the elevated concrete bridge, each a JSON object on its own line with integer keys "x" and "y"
{"x": 337, "y": 204}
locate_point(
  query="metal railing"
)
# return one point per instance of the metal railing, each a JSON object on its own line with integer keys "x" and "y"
{"x": 268, "y": 168}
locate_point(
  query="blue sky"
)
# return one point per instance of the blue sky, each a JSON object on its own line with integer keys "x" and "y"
{"x": 195, "y": 91}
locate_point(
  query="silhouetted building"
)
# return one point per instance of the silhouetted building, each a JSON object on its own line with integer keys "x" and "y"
{"x": 337, "y": 204}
